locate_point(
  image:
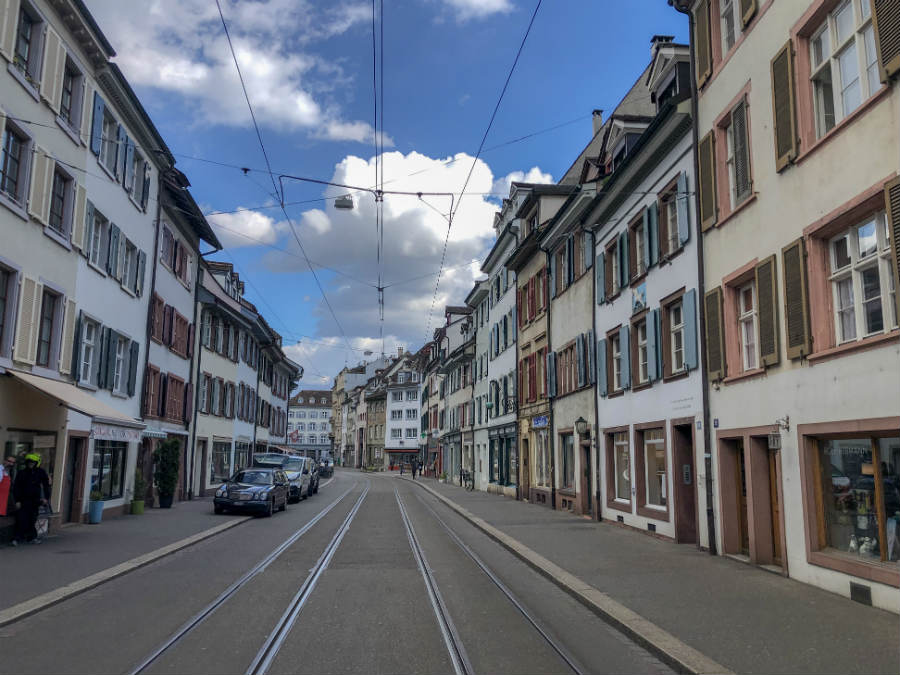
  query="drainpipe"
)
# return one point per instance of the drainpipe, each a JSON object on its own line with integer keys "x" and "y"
{"x": 195, "y": 352}
{"x": 549, "y": 400}
{"x": 683, "y": 7}
{"x": 596, "y": 397}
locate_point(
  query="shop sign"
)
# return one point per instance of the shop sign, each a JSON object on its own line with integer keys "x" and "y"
{"x": 44, "y": 441}
{"x": 539, "y": 422}
{"x": 110, "y": 432}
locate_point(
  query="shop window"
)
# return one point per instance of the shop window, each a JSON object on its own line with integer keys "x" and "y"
{"x": 108, "y": 470}
{"x": 860, "y": 497}
{"x": 241, "y": 456}
{"x": 567, "y": 450}
{"x": 655, "y": 480}
{"x": 220, "y": 467}
{"x": 621, "y": 466}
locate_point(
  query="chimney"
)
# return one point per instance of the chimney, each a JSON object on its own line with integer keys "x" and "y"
{"x": 598, "y": 120}
{"x": 656, "y": 41}
{"x": 399, "y": 352}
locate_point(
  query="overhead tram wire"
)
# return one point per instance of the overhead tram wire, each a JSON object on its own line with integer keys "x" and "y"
{"x": 272, "y": 177}
{"x": 475, "y": 162}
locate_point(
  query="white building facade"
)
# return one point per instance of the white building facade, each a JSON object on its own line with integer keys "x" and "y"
{"x": 309, "y": 423}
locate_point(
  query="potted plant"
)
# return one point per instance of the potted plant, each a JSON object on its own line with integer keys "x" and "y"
{"x": 165, "y": 472}
{"x": 140, "y": 489}
{"x": 95, "y": 507}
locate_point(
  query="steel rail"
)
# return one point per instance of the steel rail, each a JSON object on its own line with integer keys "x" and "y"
{"x": 554, "y": 645}
{"x": 461, "y": 663}
{"x": 229, "y": 592}
{"x": 267, "y": 653}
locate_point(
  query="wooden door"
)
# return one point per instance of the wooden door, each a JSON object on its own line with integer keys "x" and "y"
{"x": 587, "y": 501}
{"x": 71, "y": 501}
{"x": 525, "y": 470}
{"x": 776, "y": 506}
{"x": 741, "y": 485}
{"x": 684, "y": 487}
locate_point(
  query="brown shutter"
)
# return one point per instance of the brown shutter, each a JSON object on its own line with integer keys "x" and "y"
{"x": 748, "y": 10}
{"x": 706, "y": 152}
{"x": 892, "y": 204}
{"x": 741, "y": 134}
{"x": 715, "y": 338}
{"x": 703, "y": 43}
{"x": 886, "y": 22}
{"x": 796, "y": 299}
{"x": 767, "y": 294}
{"x": 784, "y": 115}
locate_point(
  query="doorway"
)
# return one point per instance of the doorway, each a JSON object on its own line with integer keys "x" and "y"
{"x": 684, "y": 482}
{"x": 73, "y": 479}
{"x": 775, "y": 506}
{"x": 525, "y": 478}
{"x": 587, "y": 499}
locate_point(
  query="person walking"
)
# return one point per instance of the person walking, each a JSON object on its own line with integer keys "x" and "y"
{"x": 6, "y": 483}
{"x": 31, "y": 489}
{"x": 415, "y": 467}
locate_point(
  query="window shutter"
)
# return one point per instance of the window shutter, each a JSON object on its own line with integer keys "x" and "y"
{"x": 111, "y": 342}
{"x": 591, "y": 366}
{"x": 703, "y": 46}
{"x": 99, "y": 371}
{"x": 601, "y": 367}
{"x": 624, "y": 272}
{"x": 67, "y": 338}
{"x": 587, "y": 250}
{"x": 784, "y": 116}
{"x": 76, "y": 348}
{"x": 121, "y": 151}
{"x": 579, "y": 359}
{"x": 748, "y": 9}
{"x": 600, "y": 278}
{"x": 87, "y": 106}
{"x": 10, "y": 8}
{"x": 190, "y": 341}
{"x": 140, "y": 273}
{"x": 132, "y": 367}
{"x": 514, "y": 324}
{"x": 892, "y": 204}
{"x": 767, "y": 294}
{"x": 551, "y": 373}
{"x": 188, "y": 403}
{"x": 78, "y": 218}
{"x": 145, "y": 398}
{"x": 796, "y": 299}
{"x": 706, "y": 151}
{"x": 886, "y": 20}
{"x": 741, "y": 151}
{"x": 128, "y": 173}
{"x": 652, "y": 345}
{"x": 570, "y": 259}
{"x": 26, "y": 320}
{"x": 88, "y": 227}
{"x": 97, "y": 124}
{"x": 552, "y": 275}
{"x": 52, "y": 69}
{"x": 625, "y": 347}
{"x": 167, "y": 326}
{"x": 715, "y": 339}
{"x": 681, "y": 209}
{"x": 112, "y": 252}
{"x": 647, "y": 256}
{"x": 689, "y": 315}
{"x": 41, "y": 184}
{"x": 145, "y": 194}
{"x": 162, "y": 396}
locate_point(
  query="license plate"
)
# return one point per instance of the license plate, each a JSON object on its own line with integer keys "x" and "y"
{"x": 245, "y": 497}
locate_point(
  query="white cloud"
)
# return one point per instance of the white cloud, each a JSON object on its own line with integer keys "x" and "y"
{"x": 180, "y": 47}
{"x": 478, "y": 9}
{"x": 502, "y": 185}
{"x": 245, "y": 228}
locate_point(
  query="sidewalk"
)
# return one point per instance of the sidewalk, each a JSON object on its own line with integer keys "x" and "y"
{"x": 745, "y": 618}
{"x": 78, "y": 551}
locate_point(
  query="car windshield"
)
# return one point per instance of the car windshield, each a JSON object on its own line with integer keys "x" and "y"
{"x": 269, "y": 460}
{"x": 293, "y": 464}
{"x": 253, "y": 477}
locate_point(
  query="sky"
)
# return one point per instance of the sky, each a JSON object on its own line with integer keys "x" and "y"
{"x": 308, "y": 69}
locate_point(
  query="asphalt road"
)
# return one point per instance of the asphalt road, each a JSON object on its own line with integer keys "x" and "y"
{"x": 347, "y": 596}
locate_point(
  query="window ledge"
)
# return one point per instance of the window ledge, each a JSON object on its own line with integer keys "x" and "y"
{"x": 735, "y": 211}
{"x": 875, "y": 570}
{"x": 568, "y": 492}
{"x": 615, "y": 394}
{"x": 109, "y": 172}
{"x": 20, "y": 77}
{"x": 746, "y": 375}
{"x": 619, "y": 505}
{"x": 642, "y": 386}
{"x": 635, "y": 280}
{"x": 684, "y": 372}
{"x": 60, "y": 239}
{"x": 654, "y": 512}
{"x": 14, "y": 206}
{"x": 857, "y": 346}
{"x": 844, "y": 123}
{"x": 70, "y": 131}
{"x": 127, "y": 290}
{"x": 99, "y": 270}
{"x": 667, "y": 259}
{"x": 86, "y": 385}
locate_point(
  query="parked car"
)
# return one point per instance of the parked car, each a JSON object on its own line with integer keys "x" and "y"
{"x": 296, "y": 470}
{"x": 258, "y": 489}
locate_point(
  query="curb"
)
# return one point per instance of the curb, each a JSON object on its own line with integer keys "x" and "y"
{"x": 658, "y": 641}
{"x": 50, "y": 598}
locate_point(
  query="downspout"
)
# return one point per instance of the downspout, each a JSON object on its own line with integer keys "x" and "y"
{"x": 256, "y": 407}
{"x": 550, "y": 400}
{"x": 195, "y": 351}
{"x": 596, "y": 396}
{"x": 701, "y": 291}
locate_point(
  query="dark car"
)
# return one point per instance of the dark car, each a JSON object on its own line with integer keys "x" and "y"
{"x": 326, "y": 468}
{"x": 259, "y": 489}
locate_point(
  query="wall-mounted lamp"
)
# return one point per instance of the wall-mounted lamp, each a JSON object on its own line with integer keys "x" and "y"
{"x": 581, "y": 426}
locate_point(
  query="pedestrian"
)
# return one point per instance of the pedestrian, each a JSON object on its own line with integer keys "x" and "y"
{"x": 415, "y": 468}
{"x": 6, "y": 483}
{"x": 401, "y": 467}
{"x": 30, "y": 490}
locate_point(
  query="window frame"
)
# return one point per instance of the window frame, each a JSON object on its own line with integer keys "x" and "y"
{"x": 51, "y": 332}
{"x": 109, "y": 142}
{"x": 117, "y": 450}
{"x": 29, "y": 72}
{"x": 666, "y": 333}
{"x": 16, "y": 201}
{"x": 747, "y": 318}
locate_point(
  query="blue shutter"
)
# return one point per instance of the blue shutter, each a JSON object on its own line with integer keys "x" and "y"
{"x": 681, "y": 204}
{"x": 112, "y": 251}
{"x": 653, "y": 233}
{"x": 625, "y": 356}
{"x": 645, "y": 231}
{"x": 76, "y": 347}
{"x": 689, "y": 309}
{"x": 600, "y": 278}
{"x": 121, "y": 151}
{"x": 552, "y": 275}
{"x": 592, "y": 356}
{"x": 579, "y": 358}
{"x": 97, "y": 124}
{"x": 551, "y": 370}
{"x": 515, "y": 323}
{"x": 624, "y": 274}
{"x": 652, "y": 345}
{"x": 601, "y": 366}
{"x": 129, "y": 164}
{"x": 588, "y": 250}
{"x": 132, "y": 367}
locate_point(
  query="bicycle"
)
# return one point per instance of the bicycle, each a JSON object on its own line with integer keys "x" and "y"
{"x": 467, "y": 479}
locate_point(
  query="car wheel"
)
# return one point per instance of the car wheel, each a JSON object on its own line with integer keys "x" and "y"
{"x": 270, "y": 509}
{"x": 218, "y": 510}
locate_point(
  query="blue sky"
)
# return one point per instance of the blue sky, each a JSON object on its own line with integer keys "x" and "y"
{"x": 308, "y": 68}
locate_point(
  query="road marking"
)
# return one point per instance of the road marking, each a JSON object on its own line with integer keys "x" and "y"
{"x": 669, "y": 648}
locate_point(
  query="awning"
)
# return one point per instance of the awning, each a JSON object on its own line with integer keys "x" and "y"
{"x": 78, "y": 400}
{"x": 153, "y": 433}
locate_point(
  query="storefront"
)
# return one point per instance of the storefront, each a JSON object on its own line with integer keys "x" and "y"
{"x": 452, "y": 454}
{"x": 503, "y": 460}
{"x": 535, "y": 472}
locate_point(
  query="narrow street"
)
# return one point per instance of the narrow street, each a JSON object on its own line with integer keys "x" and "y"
{"x": 347, "y": 595}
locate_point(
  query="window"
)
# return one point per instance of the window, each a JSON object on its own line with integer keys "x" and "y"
{"x": 241, "y": 456}
{"x": 737, "y": 158}
{"x": 411, "y": 395}
{"x": 861, "y": 280}
{"x": 204, "y": 392}
{"x": 89, "y": 349}
{"x": 397, "y": 396}
{"x": 542, "y": 464}
{"x": 70, "y": 102}
{"x": 128, "y": 263}
{"x": 844, "y": 63}
{"x": 643, "y": 374}
{"x": 411, "y": 432}
{"x": 49, "y": 305}
{"x": 731, "y": 24}
{"x": 60, "y": 203}
{"x": 324, "y": 414}
{"x": 301, "y": 414}
{"x": 612, "y": 270}
{"x": 167, "y": 255}
{"x": 109, "y": 144}
{"x": 638, "y": 247}
{"x": 622, "y": 466}
{"x": 108, "y": 468}
{"x": 655, "y": 467}
{"x": 396, "y": 433}
{"x": 27, "y": 54}
{"x": 120, "y": 378}
{"x": 323, "y": 439}
{"x": 615, "y": 348}
{"x": 220, "y": 463}
{"x": 12, "y": 168}
{"x": 568, "y": 460}
{"x": 139, "y": 176}
{"x": 747, "y": 325}
{"x": 676, "y": 336}
{"x": 396, "y": 414}
{"x": 98, "y": 236}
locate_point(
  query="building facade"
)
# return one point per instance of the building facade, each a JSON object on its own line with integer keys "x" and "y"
{"x": 402, "y": 416}
{"x": 309, "y": 428}
{"x": 479, "y": 301}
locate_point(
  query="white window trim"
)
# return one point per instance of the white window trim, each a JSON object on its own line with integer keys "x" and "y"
{"x": 616, "y": 468}
{"x": 675, "y": 329}
{"x": 748, "y": 320}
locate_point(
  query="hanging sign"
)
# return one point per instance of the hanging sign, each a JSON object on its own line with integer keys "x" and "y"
{"x": 539, "y": 421}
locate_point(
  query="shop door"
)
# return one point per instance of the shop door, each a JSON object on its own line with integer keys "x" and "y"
{"x": 776, "y": 508}
{"x": 741, "y": 484}
{"x": 525, "y": 478}
{"x": 71, "y": 503}
{"x": 683, "y": 481}
{"x": 587, "y": 503}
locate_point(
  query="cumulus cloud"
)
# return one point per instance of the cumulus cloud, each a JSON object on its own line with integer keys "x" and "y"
{"x": 245, "y": 228}
{"x": 179, "y": 47}
{"x": 477, "y": 9}
{"x": 502, "y": 185}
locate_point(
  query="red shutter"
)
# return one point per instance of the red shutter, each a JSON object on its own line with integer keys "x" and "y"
{"x": 532, "y": 377}
{"x": 188, "y": 402}
{"x": 532, "y": 302}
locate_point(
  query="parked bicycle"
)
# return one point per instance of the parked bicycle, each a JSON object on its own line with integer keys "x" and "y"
{"x": 467, "y": 478}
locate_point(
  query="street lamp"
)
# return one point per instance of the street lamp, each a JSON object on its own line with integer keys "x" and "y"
{"x": 581, "y": 426}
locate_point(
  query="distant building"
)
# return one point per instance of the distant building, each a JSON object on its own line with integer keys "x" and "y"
{"x": 309, "y": 423}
